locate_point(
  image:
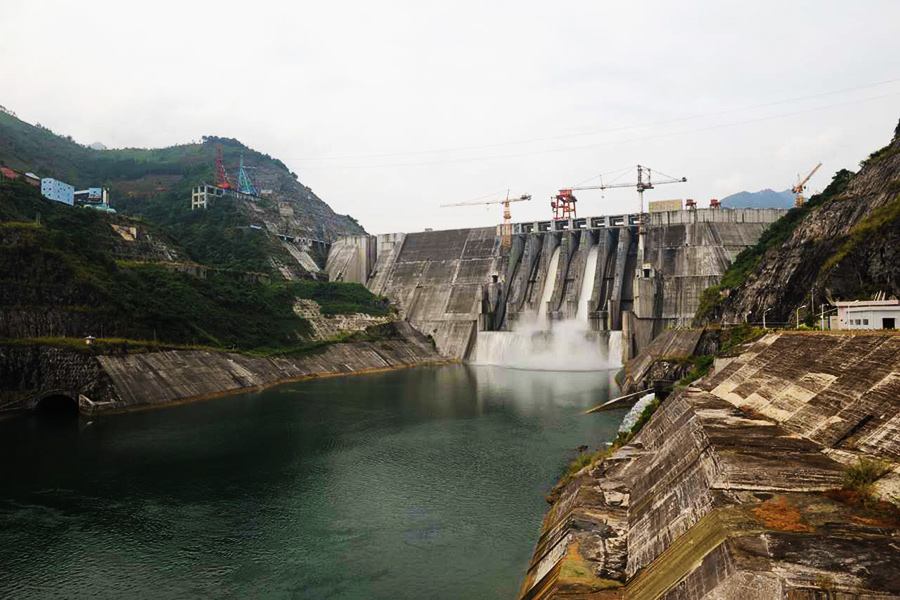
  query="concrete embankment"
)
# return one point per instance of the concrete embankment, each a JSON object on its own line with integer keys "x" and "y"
{"x": 144, "y": 380}
{"x": 728, "y": 491}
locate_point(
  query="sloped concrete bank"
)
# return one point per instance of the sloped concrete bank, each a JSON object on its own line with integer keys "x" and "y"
{"x": 724, "y": 494}
{"x": 137, "y": 381}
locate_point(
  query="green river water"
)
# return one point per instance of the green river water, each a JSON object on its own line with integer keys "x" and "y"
{"x": 420, "y": 483}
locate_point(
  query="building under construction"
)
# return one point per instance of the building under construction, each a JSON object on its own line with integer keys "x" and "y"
{"x": 242, "y": 187}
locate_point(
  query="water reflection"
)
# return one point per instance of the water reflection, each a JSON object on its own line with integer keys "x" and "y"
{"x": 412, "y": 484}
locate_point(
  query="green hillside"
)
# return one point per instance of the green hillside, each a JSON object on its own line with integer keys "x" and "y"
{"x": 59, "y": 277}
{"x": 156, "y": 184}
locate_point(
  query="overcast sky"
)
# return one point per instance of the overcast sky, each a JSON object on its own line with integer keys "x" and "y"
{"x": 389, "y": 109}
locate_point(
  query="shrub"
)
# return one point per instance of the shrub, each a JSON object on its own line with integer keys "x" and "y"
{"x": 864, "y": 473}
{"x": 702, "y": 365}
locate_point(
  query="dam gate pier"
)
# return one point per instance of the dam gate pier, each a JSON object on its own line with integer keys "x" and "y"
{"x": 452, "y": 284}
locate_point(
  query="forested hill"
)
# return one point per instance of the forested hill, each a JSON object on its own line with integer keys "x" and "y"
{"x": 156, "y": 183}
{"x": 842, "y": 244}
{"x": 67, "y": 272}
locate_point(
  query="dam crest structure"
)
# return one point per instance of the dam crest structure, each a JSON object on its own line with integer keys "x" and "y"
{"x": 578, "y": 292}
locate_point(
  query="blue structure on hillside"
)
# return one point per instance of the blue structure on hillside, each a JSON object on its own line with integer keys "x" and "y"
{"x": 58, "y": 191}
{"x": 245, "y": 183}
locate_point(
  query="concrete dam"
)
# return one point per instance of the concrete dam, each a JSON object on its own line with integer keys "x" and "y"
{"x": 592, "y": 281}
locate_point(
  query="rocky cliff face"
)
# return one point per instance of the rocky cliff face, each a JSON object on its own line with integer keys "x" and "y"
{"x": 845, "y": 248}
{"x": 737, "y": 488}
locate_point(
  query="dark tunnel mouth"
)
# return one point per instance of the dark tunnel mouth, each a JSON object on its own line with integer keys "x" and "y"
{"x": 57, "y": 407}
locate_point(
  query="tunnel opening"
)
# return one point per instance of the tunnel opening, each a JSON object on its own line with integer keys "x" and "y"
{"x": 57, "y": 407}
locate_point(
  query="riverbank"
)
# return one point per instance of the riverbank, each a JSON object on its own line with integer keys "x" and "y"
{"x": 297, "y": 490}
{"x": 111, "y": 383}
{"x": 744, "y": 484}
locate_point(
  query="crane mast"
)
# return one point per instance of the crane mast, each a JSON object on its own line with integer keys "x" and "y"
{"x": 801, "y": 185}
{"x": 563, "y": 203}
{"x": 506, "y": 227}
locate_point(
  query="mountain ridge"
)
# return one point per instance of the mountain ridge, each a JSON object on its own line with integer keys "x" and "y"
{"x": 767, "y": 198}
{"x": 842, "y": 244}
{"x": 156, "y": 184}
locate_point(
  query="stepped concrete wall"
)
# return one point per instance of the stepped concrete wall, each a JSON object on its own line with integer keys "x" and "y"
{"x": 723, "y": 493}
{"x": 687, "y": 251}
{"x": 840, "y": 391}
{"x": 124, "y": 382}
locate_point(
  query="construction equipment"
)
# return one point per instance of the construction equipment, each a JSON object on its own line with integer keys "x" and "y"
{"x": 245, "y": 184}
{"x": 567, "y": 197}
{"x": 690, "y": 204}
{"x": 714, "y": 203}
{"x": 801, "y": 185}
{"x": 221, "y": 175}
{"x": 506, "y": 227}
{"x": 563, "y": 205}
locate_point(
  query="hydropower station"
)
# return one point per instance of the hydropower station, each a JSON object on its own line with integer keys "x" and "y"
{"x": 579, "y": 292}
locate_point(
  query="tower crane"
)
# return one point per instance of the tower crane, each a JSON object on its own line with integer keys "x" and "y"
{"x": 563, "y": 204}
{"x": 506, "y": 227}
{"x": 801, "y": 185}
{"x": 221, "y": 175}
{"x": 245, "y": 183}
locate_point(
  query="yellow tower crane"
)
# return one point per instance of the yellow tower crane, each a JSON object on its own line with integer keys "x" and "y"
{"x": 506, "y": 227}
{"x": 801, "y": 185}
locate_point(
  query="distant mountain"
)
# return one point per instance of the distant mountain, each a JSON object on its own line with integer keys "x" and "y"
{"x": 98, "y": 146}
{"x": 761, "y": 199}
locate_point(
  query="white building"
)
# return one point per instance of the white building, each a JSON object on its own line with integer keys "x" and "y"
{"x": 867, "y": 314}
{"x": 58, "y": 190}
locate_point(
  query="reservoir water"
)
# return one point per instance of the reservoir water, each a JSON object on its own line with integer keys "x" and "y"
{"x": 424, "y": 483}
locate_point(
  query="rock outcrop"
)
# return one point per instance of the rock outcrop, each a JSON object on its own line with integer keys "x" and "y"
{"x": 729, "y": 491}
{"x": 845, "y": 248}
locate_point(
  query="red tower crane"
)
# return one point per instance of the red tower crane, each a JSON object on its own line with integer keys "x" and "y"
{"x": 565, "y": 198}
{"x": 641, "y": 185}
{"x": 221, "y": 174}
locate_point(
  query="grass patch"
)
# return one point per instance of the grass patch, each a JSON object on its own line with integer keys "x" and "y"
{"x": 590, "y": 459}
{"x": 861, "y": 476}
{"x": 702, "y": 365}
{"x": 858, "y": 492}
{"x": 340, "y": 298}
{"x": 102, "y": 346}
{"x": 738, "y": 336}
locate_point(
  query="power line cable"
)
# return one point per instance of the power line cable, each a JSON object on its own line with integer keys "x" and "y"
{"x": 601, "y": 144}
{"x": 599, "y": 132}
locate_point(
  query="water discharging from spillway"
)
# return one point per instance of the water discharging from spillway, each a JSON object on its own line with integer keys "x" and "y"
{"x": 587, "y": 284}
{"x": 537, "y": 344}
{"x": 547, "y": 292}
{"x": 568, "y": 346}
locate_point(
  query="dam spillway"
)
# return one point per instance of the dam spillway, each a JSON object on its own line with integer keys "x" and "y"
{"x": 453, "y": 285}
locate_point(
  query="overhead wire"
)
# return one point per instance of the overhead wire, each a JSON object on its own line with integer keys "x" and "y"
{"x": 602, "y": 144}
{"x": 600, "y": 132}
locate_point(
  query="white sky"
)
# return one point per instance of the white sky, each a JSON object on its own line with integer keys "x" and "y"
{"x": 356, "y": 97}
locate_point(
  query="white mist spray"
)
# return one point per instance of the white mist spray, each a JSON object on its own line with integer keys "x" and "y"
{"x": 538, "y": 344}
